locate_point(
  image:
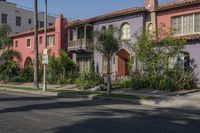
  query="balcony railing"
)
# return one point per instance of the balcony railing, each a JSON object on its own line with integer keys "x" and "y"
{"x": 79, "y": 44}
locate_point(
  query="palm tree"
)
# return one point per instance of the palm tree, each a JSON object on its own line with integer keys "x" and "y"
{"x": 36, "y": 64}
{"x": 108, "y": 44}
{"x": 60, "y": 67}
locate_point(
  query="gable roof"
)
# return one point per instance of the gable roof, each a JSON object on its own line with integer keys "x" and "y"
{"x": 31, "y": 32}
{"x": 108, "y": 15}
{"x": 164, "y": 6}
{"x": 176, "y": 3}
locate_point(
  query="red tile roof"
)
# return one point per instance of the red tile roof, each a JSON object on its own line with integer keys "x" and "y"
{"x": 177, "y": 3}
{"x": 108, "y": 15}
{"x": 168, "y": 5}
{"x": 31, "y": 32}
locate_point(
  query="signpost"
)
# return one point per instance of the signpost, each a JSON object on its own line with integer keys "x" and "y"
{"x": 45, "y": 52}
{"x": 45, "y": 59}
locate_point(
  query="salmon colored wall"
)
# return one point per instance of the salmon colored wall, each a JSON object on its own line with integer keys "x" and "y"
{"x": 164, "y": 17}
{"x": 54, "y": 50}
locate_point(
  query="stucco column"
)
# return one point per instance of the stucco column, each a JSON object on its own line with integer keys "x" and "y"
{"x": 68, "y": 36}
{"x": 85, "y": 32}
{"x": 74, "y": 57}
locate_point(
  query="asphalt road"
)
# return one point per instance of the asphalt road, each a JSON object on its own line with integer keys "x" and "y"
{"x": 25, "y": 113}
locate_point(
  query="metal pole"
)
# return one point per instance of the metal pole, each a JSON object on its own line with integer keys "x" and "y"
{"x": 45, "y": 44}
{"x": 36, "y": 82}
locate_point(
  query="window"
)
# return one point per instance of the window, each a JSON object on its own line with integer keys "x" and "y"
{"x": 186, "y": 24}
{"x": 50, "y": 24}
{"x": 176, "y": 25}
{"x": 40, "y": 40}
{"x": 103, "y": 28}
{"x": 30, "y": 21}
{"x": 197, "y": 23}
{"x": 105, "y": 65}
{"x": 41, "y": 24}
{"x": 110, "y": 27}
{"x": 71, "y": 36}
{"x": 182, "y": 61}
{"x": 125, "y": 31}
{"x": 4, "y": 18}
{"x": 84, "y": 65}
{"x": 18, "y": 21}
{"x": 28, "y": 43}
{"x": 50, "y": 40}
{"x": 16, "y": 44}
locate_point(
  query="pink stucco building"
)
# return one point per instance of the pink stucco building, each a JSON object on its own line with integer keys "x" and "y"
{"x": 56, "y": 40}
{"x": 182, "y": 19}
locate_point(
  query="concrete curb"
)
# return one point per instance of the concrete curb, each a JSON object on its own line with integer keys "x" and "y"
{"x": 171, "y": 102}
{"x": 188, "y": 92}
{"x": 30, "y": 92}
{"x": 63, "y": 95}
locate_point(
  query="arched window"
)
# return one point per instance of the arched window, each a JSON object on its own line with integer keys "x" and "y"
{"x": 125, "y": 31}
{"x": 28, "y": 62}
{"x": 103, "y": 28}
{"x": 110, "y": 27}
{"x": 181, "y": 61}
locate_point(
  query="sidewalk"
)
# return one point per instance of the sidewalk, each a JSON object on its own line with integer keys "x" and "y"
{"x": 186, "y": 99}
{"x": 56, "y": 87}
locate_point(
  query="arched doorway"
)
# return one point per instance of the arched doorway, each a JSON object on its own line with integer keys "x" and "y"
{"x": 123, "y": 57}
{"x": 28, "y": 62}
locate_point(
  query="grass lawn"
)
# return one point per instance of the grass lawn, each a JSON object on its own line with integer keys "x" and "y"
{"x": 84, "y": 93}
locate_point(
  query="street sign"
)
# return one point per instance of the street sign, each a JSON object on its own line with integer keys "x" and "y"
{"x": 45, "y": 51}
{"x": 45, "y": 59}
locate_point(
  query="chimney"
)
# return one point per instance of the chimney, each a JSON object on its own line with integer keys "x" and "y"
{"x": 151, "y": 5}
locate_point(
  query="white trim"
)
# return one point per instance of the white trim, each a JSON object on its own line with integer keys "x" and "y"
{"x": 182, "y": 25}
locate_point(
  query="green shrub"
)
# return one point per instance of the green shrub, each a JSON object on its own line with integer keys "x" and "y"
{"x": 19, "y": 78}
{"x": 173, "y": 80}
{"x": 61, "y": 70}
{"x": 122, "y": 84}
{"x": 28, "y": 73}
{"x": 9, "y": 70}
{"x": 88, "y": 80}
{"x": 179, "y": 80}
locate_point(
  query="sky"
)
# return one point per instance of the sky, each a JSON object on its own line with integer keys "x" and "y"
{"x": 80, "y": 9}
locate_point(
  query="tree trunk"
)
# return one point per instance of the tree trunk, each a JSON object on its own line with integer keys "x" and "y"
{"x": 108, "y": 76}
{"x": 36, "y": 82}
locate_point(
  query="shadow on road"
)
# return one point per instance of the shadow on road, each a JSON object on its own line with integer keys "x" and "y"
{"x": 114, "y": 117}
{"x": 135, "y": 121}
{"x": 51, "y": 103}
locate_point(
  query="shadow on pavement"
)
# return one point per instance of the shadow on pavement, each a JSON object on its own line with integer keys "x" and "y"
{"x": 135, "y": 121}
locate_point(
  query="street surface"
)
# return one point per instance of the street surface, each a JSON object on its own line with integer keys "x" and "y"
{"x": 25, "y": 113}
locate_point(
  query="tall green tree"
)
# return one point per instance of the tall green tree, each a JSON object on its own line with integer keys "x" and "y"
{"x": 9, "y": 58}
{"x": 108, "y": 44}
{"x": 4, "y": 38}
{"x": 154, "y": 51}
{"x": 7, "y": 52}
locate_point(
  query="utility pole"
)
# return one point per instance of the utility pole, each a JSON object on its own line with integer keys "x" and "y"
{"x": 36, "y": 82}
{"x": 45, "y": 45}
